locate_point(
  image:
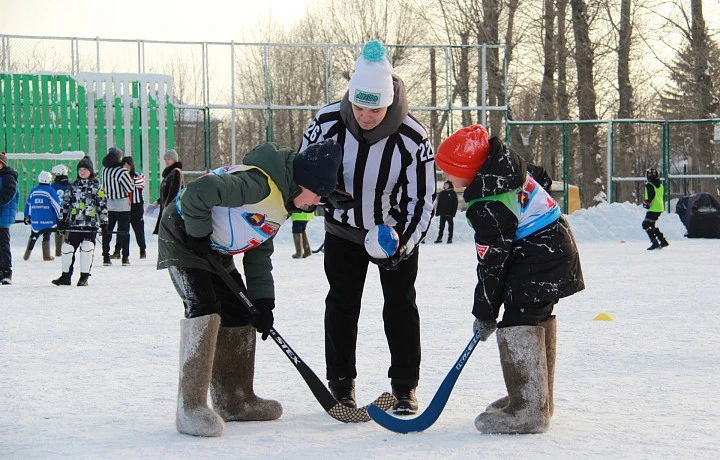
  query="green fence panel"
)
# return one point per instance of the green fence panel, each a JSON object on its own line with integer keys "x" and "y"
{"x": 151, "y": 170}
{"x": 119, "y": 130}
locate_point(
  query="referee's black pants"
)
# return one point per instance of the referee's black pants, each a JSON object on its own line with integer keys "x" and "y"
{"x": 346, "y": 266}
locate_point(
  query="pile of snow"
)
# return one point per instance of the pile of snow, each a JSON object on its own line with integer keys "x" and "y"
{"x": 620, "y": 222}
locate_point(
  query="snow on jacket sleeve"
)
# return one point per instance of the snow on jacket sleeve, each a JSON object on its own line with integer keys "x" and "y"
{"x": 495, "y": 227}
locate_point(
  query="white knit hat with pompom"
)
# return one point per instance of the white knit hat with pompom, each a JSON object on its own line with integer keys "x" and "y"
{"x": 372, "y": 85}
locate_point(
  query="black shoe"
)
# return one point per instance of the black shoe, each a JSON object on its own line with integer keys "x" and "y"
{"x": 125, "y": 261}
{"x": 6, "y": 276}
{"x": 116, "y": 254}
{"x": 106, "y": 260}
{"x": 449, "y": 241}
{"x": 64, "y": 280}
{"x": 439, "y": 240}
{"x": 664, "y": 243}
{"x": 83, "y": 281}
{"x": 655, "y": 245}
{"x": 143, "y": 255}
{"x": 407, "y": 403}
{"x": 343, "y": 390}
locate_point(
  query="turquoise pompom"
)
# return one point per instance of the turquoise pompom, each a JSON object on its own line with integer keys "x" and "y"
{"x": 373, "y": 51}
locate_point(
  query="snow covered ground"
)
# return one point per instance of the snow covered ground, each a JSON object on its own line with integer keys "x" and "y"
{"x": 92, "y": 372}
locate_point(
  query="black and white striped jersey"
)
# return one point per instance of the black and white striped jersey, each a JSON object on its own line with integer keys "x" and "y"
{"x": 116, "y": 182}
{"x": 394, "y": 178}
{"x": 137, "y": 194}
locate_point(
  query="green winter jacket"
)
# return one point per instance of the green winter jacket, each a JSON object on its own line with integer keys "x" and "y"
{"x": 229, "y": 190}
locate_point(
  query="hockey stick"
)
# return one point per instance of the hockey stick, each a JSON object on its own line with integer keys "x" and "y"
{"x": 315, "y": 251}
{"x": 436, "y": 406}
{"x": 318, "y": 388}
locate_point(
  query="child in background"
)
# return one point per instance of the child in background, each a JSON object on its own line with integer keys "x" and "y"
{"x": 527, "y": 261}
{"x": 60, "y": 184}
{"x": 42, "y": 209}
{"x": 654, "y": 202}
{"x": 445, "y": 209}
{"x": 300, "y": 238}
{"x": 83, "y": 208}
{"x": 137, "y": 209}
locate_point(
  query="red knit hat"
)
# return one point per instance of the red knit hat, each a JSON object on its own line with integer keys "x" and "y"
{"x": 464, "y": 152}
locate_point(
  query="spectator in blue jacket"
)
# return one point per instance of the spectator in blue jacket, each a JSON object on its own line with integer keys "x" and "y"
{"x": 42, "y": 209}
{"x": 9, "y": 197}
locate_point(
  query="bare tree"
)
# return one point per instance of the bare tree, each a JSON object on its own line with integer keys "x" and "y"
{"x": 590, "y": 180}
{"x": 624, "y": 159}
{"x": 546, "y": 107}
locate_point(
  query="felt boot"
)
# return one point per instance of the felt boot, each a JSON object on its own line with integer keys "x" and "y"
{"x": 29, "y": 248}
{"x": 198, "y": 337}
{"x": 231, "y": 385}
{"x": 46, "y": 250}
{"x": 550, "y": 326}
{"x": 307, "y": 251}
{"x": 524, "y": 365}
{"x": 297, "y": 239}
{"x": 58, "y": 244}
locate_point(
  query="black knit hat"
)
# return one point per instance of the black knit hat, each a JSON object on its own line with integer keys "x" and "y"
{"x": 86, "y": 163}
{"x": 316, "y": 167}
{"x": 116, "y": 152}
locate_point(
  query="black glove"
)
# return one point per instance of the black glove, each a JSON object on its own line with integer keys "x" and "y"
{"x": 200, "y": 246}
{"x": 263, "y": 320}
{"x": 339, "y": 199}
{"x": 26, "y": 220}
{"x": 62, "y": 225}
{"x": 104, "y": 229}
{"x": 484, "y": 327}
{"x": 391, "y": 262}
{"x": 646, "y": 204}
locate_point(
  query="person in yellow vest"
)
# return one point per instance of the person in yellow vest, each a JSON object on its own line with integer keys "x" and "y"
{"x": 655, "y": 205}
{"x": 300, "y": 238}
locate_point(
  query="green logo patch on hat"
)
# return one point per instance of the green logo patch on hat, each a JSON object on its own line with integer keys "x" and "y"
{"x": 366, "y": 98}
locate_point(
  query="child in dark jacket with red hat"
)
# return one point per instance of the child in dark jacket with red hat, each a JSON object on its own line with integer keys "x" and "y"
{"x": 527, "y": 261}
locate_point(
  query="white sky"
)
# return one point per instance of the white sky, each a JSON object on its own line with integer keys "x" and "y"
{"x": 207, "y": 20}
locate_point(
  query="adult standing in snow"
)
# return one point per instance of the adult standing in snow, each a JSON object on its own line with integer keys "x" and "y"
{"x": 137, "y": 209}
{"x": 172, "y": 182}
{"x": 42, "y": 209}
{"x": 654, "y": 202}
{"x": 389, "y": 171}
{"x": 9, "y": 197}
{"x": 233, "y": 210}
{"x": 118, "y": 185}
{"x": 527, "y": 261}
{"x": 447, "y": 204}
{"x": 60, "y": 185}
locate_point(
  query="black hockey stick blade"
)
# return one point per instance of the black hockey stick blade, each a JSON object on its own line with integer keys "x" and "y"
{"x": 436, "y": 406}
{"x": 318, "y": 388}
{"x": 315, "y": 251}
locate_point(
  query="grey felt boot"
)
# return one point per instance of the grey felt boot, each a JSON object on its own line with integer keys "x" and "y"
{"x": 198, "y": 337}
{"x": 231, "y": 386}
{"x": 47, "y": 251}
{"x": 58, "y": 244}
{"x": 307, "y": 251}
{"x": 550, "y": 326}
{"x": 524, "y": 365}
{"x": 297, "y": 239}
